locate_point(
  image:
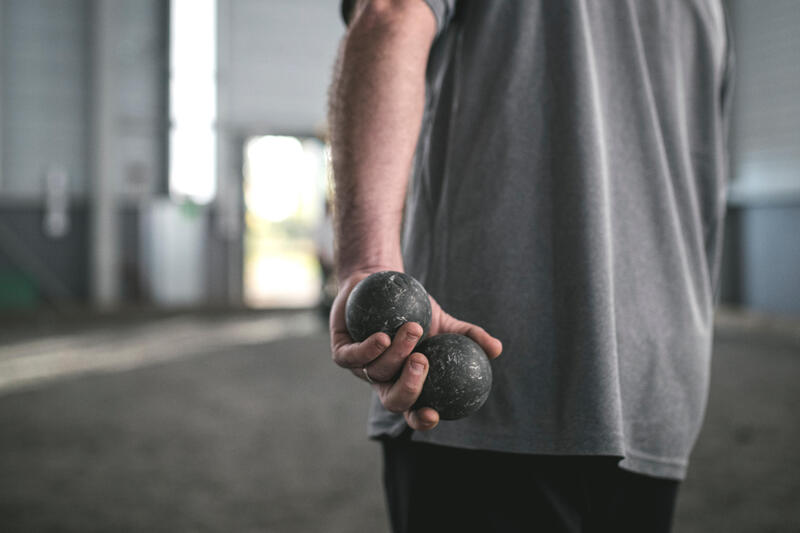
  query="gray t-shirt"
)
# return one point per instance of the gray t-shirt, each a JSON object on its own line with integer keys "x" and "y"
{"x": 568, "y": 195}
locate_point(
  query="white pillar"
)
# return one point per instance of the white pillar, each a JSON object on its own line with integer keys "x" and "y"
{"x": 228, "y": 203}
{"x": 2, "y": 92}
{"x": 104, "y": 210}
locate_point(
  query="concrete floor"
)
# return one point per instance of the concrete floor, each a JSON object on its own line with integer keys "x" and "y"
{"x": 215, "y": 423}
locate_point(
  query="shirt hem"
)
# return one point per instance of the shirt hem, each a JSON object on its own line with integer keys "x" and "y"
{"x": 632, "y": 460}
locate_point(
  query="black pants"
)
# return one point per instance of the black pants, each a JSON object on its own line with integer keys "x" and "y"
{"x": 442, "y": 489}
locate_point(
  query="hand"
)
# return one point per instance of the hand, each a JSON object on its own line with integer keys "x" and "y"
{"x": 397, "y": 372}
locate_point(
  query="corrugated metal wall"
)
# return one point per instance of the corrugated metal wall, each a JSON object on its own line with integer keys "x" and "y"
{"x": 47, "y": 105}
{"x": 275, "y": 63}
{"x": 46, "y": 101}
{"x": 44, "y": 51}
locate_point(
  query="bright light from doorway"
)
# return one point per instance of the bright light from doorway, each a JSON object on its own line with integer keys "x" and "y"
{"x": 193, "y": 100}
{"x": 284, "y": 176}
{"x": 287, "y": 237}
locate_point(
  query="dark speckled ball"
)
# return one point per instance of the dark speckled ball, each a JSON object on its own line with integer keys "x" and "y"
{"x": 384, "y": 301}
{"x": 460, "y": 376}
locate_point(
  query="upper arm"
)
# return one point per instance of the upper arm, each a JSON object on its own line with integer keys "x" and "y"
{"x": 410, "y": 14}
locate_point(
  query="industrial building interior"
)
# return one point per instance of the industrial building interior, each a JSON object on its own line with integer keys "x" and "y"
{"x": 165, "y": 252}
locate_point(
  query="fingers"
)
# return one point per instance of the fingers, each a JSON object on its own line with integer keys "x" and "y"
{"x": 345, "y": 352}
{"x": 391, "y": 361}
{"x": 491, "y": 345}
{"x": 350, "y": 354}
{"x": 383, "y": 355}
{"x": 400, "y": 395}
{"x": 422, "y": 419}
{"x": 443, "y": 322}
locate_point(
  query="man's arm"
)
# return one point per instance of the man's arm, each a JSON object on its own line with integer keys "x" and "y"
{"x": 377, "y": 102}
{"x": 376, "y": 107}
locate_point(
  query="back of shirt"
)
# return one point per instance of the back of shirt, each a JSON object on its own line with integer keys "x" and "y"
{"x": 568, "y": 195}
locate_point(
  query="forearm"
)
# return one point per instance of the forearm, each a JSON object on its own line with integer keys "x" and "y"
{"x": 376, "y": 106}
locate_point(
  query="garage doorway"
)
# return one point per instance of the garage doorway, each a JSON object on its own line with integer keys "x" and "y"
{"x": 288, "y": 240}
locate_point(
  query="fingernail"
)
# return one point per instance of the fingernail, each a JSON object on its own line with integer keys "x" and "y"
{"x": 417, "y": 367}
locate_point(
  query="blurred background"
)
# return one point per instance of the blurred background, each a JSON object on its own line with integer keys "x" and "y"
{"x": 165, "y": 255}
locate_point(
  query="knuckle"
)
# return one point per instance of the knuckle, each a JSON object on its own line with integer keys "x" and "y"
{"x": 409, "y": 342}
{"x": 342, "y": 361}
{"x": 409, "y": 388}
{"x": 406, "y": 346}
{"x": 379, "y": 345}
{"x": 393, "y": 407}
{"x": 377, "y": 375}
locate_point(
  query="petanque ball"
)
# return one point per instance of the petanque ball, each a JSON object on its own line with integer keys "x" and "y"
{"x": 384, "y": 301}
{"x": 459, "y": 376}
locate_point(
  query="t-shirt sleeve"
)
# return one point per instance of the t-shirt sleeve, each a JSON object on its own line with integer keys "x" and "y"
{"x": 442, "y": 9}
{"x": 346, "y": 8}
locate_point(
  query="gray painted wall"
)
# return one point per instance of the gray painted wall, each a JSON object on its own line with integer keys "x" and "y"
{"x": 766, "y": 108}
{"x": 762, "y": 261}
{"x": 771, "y": 258}
{"x": 57, "y": 268}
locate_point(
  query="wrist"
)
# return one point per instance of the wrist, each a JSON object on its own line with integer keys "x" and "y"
{"x": 357, "y": 272}
{"x": 357, "y": 257}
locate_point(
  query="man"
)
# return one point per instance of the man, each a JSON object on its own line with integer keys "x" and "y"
{"x": 567, "y": 189}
